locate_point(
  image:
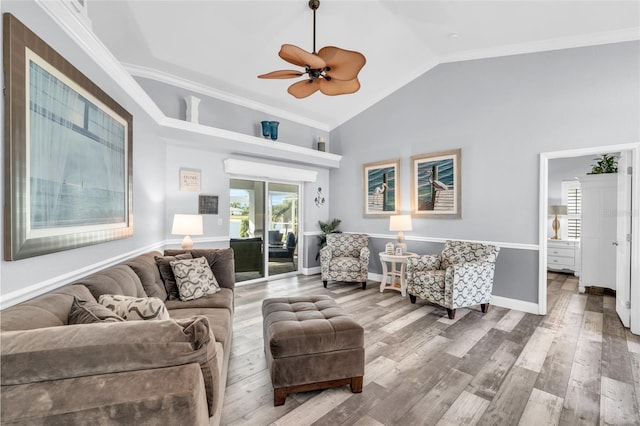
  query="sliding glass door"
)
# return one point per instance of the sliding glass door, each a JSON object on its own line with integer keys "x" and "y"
{"x": 264, "y": 228}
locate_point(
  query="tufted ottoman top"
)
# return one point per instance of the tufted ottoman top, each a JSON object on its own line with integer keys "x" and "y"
{"x": 308, "y": 325}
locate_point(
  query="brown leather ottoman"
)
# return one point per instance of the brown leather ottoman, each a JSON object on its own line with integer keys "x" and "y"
{"x": 310, "y": 343}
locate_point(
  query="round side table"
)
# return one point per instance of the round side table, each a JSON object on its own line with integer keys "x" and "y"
{"x": 394, "y": 278}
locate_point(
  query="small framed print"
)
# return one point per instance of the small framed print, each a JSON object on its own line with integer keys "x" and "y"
{"x": 208, "y": 204}
{"x": 398, "y": 251}
{"x": 189, "y": 180}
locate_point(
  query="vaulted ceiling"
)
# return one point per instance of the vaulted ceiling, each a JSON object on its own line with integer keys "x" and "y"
{"x": 219, "y": 47}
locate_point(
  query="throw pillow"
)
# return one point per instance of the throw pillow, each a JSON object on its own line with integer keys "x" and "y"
{"x": 89, "y": 312}
{"x": 135, "y": 308}
{"x": 166, "y": 272}
{"x": 194, "y": 278}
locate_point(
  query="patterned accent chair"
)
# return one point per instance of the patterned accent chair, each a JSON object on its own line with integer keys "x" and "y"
{"x": 460, "y": 276}
{"x": 345, "y": 258}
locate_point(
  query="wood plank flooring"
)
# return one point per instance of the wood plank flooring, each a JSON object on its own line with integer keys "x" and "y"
{"x": 576, "y": 365}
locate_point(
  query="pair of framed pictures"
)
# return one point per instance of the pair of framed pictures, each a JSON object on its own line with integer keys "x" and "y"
{"x": 435, "y": 186}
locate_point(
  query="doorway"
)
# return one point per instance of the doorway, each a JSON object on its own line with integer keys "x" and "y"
{"x": 264, "y": 228}
{"x": 627, "y": 269}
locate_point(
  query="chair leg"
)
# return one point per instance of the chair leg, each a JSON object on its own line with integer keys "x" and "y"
{"x": 412, "y": 298}
{"x": 484, "y": 307}
{"x": 451, "y": 313}
{"x": 325, "y": 283}
{"x": 364, "y": 285}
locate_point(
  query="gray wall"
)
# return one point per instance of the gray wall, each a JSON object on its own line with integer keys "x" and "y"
{"x": 148, "y": 172}
{"x": 503, "y": 112}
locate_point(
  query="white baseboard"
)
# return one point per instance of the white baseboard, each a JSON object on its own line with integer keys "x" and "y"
{"x": 518, "y": 305}
{"x": 374, "y": 277}
{"x": 311, "y": 271}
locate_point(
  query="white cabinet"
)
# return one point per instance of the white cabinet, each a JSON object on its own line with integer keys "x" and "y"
{"x": 564, "y": 255}
{"x": 598, "y": 231}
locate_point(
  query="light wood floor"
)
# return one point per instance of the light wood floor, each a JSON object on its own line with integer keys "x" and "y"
{"x": 576, "y": 365}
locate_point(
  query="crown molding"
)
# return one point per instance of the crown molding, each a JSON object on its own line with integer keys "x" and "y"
{"x": 95, "y": 49}
{"x": 201, "y": 89}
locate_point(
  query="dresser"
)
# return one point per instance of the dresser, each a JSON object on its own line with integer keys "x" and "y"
{"x": 563, "y": 255}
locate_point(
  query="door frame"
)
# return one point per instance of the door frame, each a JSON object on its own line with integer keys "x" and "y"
{"x": 635, "y": 222}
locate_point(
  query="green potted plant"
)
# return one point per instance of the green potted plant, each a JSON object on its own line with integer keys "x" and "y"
{"x": 326, "y": 228}
{"x": 605, "y": 164}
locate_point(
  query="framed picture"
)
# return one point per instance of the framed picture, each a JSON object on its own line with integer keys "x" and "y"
{"x": 207, "y": 204}
{"x": 189, "y": 180}
{"x": 435, "y": 185}
{"x": 381, "y": 188}
{"x": 68, "y": 153}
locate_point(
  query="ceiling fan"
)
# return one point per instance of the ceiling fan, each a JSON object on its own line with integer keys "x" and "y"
{"x": 332, "y": 70}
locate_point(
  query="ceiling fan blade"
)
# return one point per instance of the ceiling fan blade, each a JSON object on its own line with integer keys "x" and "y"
{"x": 344, "y": 64}
{"x": 338, "y": 87}
{"x": 295, "y": 55}
{"x": 304, "y": 88}
{"x": 282, "y": 74}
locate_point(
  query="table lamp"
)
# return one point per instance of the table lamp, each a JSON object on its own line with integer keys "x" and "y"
{"x": 400, "y": 223}
{"x": 187, "y": 224}
{"x": 557, "y": 210}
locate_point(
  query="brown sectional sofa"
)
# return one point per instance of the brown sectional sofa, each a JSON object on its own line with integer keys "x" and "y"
{"x": 132, "y": 372}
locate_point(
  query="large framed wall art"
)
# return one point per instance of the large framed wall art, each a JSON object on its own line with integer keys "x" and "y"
{"x": 68, "y": 170}
{"x": 436, "y": 186}
{"x": 381, "y": 181}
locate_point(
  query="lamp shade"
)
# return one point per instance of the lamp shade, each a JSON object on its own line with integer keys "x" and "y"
{"x": 400, "y": 222}
{"x": 187, "y": 224}
{"x": 559, "y": 210}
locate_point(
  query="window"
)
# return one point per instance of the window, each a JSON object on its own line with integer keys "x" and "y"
{"x": 571, "y": 197}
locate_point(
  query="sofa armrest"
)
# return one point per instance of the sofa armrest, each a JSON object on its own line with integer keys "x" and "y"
{"x": 73, "y": 351}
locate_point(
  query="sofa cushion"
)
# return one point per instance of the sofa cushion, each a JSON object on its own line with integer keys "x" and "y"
{"x": 166, "y": 272}
{"x": 221, "y": 299}
{"x": 146, "y": 269}
{"x": 88, "y": 312}
{"x": 194, "y": 278}
{"x": 221, "y": 262}
{"x": 135, "y": 308}
{"x": 220, "y": 322}
{"x": 119, "y": 279}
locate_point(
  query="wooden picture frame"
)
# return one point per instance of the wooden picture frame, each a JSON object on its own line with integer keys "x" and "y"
{"x": 436, "y": 185}
{"x": 381, "y": 183}
{"x": 68, "y": 158}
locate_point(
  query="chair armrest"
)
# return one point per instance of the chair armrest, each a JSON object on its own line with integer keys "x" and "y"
{"x": 426, "y": 262}
{"x": 460, "y": 278}
{"x": 326, "y": 254}
{"x": 365, "y": 253}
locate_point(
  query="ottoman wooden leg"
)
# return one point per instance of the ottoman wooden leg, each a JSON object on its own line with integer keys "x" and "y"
{"x": 279, "y": 396}
{"x": 356, "y": 384}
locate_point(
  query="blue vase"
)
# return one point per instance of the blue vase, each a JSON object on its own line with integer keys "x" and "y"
{"x": 266, "y": 128}
{"x": 273, "y": 129}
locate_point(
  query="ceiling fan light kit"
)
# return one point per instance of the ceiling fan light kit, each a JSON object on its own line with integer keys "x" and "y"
{"x": 332, "y": 70}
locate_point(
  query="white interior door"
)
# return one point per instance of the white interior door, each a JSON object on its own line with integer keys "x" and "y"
{"x": 623, "y": 240}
